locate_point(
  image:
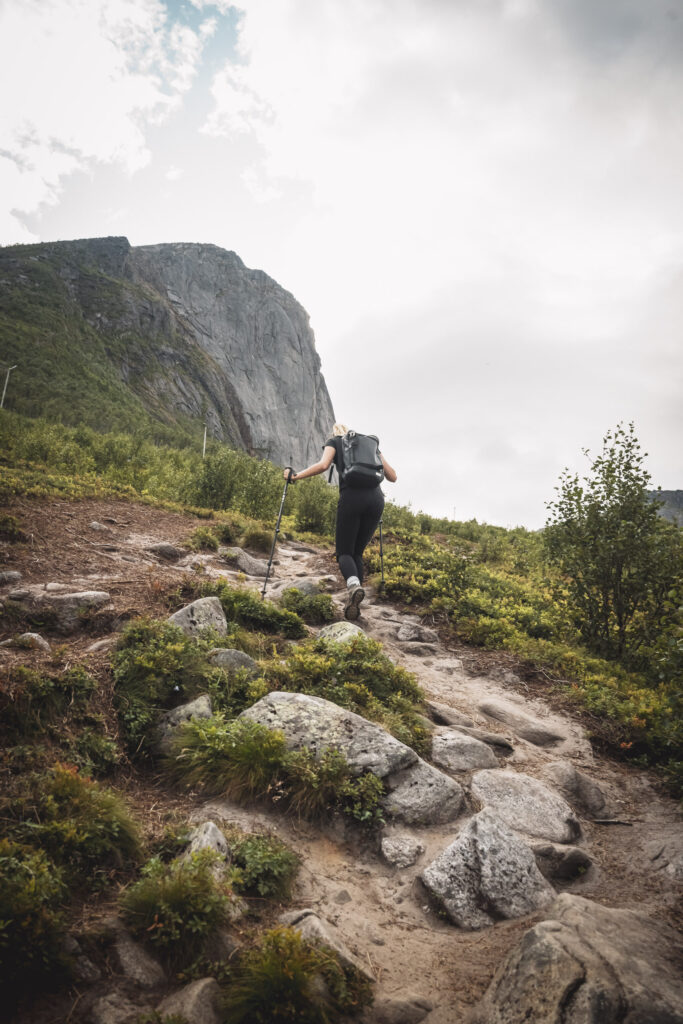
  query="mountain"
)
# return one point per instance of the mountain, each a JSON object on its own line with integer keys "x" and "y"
{"x": 166, "y": 337}
{"x": 671, "y": 505}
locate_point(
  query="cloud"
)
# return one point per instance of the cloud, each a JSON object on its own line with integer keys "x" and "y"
{"x": 86, "y": 77}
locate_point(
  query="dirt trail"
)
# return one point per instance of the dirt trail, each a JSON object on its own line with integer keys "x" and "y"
{"x": 381, "y": 912}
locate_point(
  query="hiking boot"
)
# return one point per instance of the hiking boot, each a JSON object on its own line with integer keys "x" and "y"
{"x": 353, "y": 602}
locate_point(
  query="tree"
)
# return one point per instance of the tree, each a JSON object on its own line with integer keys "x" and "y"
{"x": 622, "y": 562}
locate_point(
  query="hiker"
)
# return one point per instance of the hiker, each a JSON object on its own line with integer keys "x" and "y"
{"x": 361, "y": 502}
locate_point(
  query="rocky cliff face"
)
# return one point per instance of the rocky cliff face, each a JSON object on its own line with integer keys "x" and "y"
{"x": 188, "y": 329}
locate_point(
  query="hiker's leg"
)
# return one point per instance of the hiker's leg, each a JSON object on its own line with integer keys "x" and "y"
{"x": 368, "y": 523}
{"x": 348, "y": 522}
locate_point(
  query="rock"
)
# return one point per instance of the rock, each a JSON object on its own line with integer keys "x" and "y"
{"x": 208, "y": 836}
{"x": 320, "y": 725}
{"x": 411, "y": 631}
{"x": 410, "y": 1009}
{"x": 221, "y": 945}
{"x": 486, "y": 875}
{"x": 449, "y": 665}
{"x": 580, "y": 791}
{"x": 232, "y": 660}
{"x": 561, "y": 862}
{"x": 666, "y": 856}
{"x": 401, "y": 851}
{"x": 318, "y": 931}
{"x": 136, "y": 963}
{"x": 167, "y": 551}
{"x": 419, "y": 650}
{"x": 170, "y": 720}
{"x": 524, "y": 725}
{"x": 422, "y": 795}
{"x": 442, "y": 714}
{"x": 526, "y": 805}
{"x": 115, "y": 1008}
{"x": 502, "y": 746}
{"x": 100, "y": 645}
{"x": 198, "y": 1003}
{"x": 459, "y": 752}
{"x": 588, "y": 964}
{"x": 21, "y": 594}
{"x": 66, "y": 611}
{"x": 29, "y": 641}
{"x": 201, "y": 614}
{"x": 340, "y": 632}
{"x": 306, "y": 586}
{"x": 9, "y": 576}
{"x": 98, "y": 527}
{"x": 83, "y": 968}
{"x": 239, "y": 559}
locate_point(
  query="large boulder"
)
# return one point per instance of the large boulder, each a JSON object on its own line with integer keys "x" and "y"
{"x": 206, "y": 612}
{"x": 239, "y": 559}
{"x": 485, "y": 875}
{"x": 589, "y": 964}
{"x": 458, "y": 752}
{"x": 528, "y": 727}
{"x": 320, "y": 932}
{"x": 320, "y": 725}
{"x": 65, "y": 612}
{"x": 197, "y": 1003}
{"x": 136, "y": 963}
{"x": 526, "y": 805}
{"x": 170, "y": 721}
{"x": 340, "y": 632}
{"x": 422, "y": 795}
{"x": 581, "y": 792}
{"x": 232, "y": 660}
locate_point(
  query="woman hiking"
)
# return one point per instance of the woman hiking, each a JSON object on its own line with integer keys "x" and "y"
{"x": 360, "y": 507}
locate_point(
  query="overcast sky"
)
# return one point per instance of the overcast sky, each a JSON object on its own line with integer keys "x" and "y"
{"x": 478, "y": 202}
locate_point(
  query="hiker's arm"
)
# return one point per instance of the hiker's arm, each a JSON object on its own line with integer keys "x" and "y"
{"x": 389, "y": 472}
{"x": 317, "y": 467}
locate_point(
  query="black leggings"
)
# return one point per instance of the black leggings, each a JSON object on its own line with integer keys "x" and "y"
{"x": 358, "y": 515}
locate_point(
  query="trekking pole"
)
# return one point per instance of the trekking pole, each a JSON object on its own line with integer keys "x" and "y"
{"x": 277, "y": 529}
{"x": 381, "y": 552}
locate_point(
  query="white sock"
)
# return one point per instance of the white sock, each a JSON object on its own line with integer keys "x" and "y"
{"x": 352, "y": 581}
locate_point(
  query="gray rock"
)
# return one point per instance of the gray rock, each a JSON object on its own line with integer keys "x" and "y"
{"x": 486, "y": 875}
{"x": 136, "y": 963}
{"x": 307, "y": 586}
{"x": 401, "y": 851}
{"x": 100, "y": 645}
{"x": 524, "y": 725}
{"x": 320, "y": 932}
{"x": 422, "y": 795}
{"x": 171, "y": 720}
{"x": 198, "y": 1003}
{"x": 459, "y": 752}
{"x": 502, "y": 745}
{"x": 83, "y": 968}
{"x": 98, "y": 527}
{"x": 66, "y": 611}
{"x": 9, "y": 576}
{"x": 443, "y": 714}
{"x": 449, "y": 665}
{"x": 239, "y": 559}
{"x": 561, "y": 862}
{"x": 167, "y": 551}
{"x": 115, "y": 1008}
{"x": 29, "y": 641}
{"x": 580, "y": 791}
{"x": 208, "y": 836}
{"x": 411, "y": 631}
{"x": 201, "y": 614}
{"x": 231, "y": 660}
{"x": 588, "y": 964}
{"x": 221, "y": 944}
{"x": 526, "y": 805}
{"x": 419, "y": 650}
{"x": 21, "y": 594}
{"x": 408, "y": 1009}
{"x": 320, "y": 725}
{"x": 340, "y": 632}
{"x": 667, "y": 856}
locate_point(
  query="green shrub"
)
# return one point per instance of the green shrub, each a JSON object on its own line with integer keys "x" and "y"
{"x": 315, "y": 506}
{"x": 30, "y": 700}
{"x": 257, "y": 538}
{"x": 84, "y": 827}
{"x": 316, "y": 609}
{"x": 92, "y": 751}
{"x": 202, "y": 539}
{"x": 280, "y": 980}
{"x": 176, "y": 907}
{"x": 225, "y": 531}
{"x": 31, "y": 929}
{"x": 11, "y": 531}
{"x": 247, "y": 609}
{"x": 262, "y": 866}
{"x": 316, "y": 786}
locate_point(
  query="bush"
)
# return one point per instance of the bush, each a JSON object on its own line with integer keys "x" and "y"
{"x": 30, "y": 701}
{"x": 84, "y": 827}
{"x": 262, "y": 866}
{"x": 11, "y": 531}
{"x": 247, "y": 609}
{"x": 257, "y": 538}
{"x": 280, "y": 980}
{"x": 31, "y": 929}
{"x": 315, "y": 506}
{"x": 177, "y": 907}
{"x": 316, "y": 609}
{"x": 202, "y": 539}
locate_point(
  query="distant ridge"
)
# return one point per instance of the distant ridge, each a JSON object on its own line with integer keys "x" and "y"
{"x": 672, "y": 507}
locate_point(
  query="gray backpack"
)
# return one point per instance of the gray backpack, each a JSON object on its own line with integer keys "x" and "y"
{"x": 361, "y": 462}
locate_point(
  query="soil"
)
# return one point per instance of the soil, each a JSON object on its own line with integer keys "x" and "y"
{"x": 381, "y": 913}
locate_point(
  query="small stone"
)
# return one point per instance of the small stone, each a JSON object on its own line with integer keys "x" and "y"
{"x": 115, "y": 1008}
{"x": 458, "y": 752}
{"x": 231, "y": 660}
{"x": 318, "y": 931}
{"x": 422, "y": 795}
{"x": 9, "y": 576}
{"x": 408, "y": 631}
{"x": 100, "y": 645}
{"x": 34, "y": 641}
{"x": 244, "y": 562}
{"x": 443, "y": 714}
{"x": 98, "y": 527}
{"x": 340, "y": 632}
{"x": 343, "y": 896}
{"x": 563, "y": 863}
{"x": 401, "y": 851}
{"x": 208, "y": 836}
{"x": 581, "y": 792}
{"x": 197, "y": 1003}
{"x": 136, "y": 963}
{"x": 408, "y": 1009}
{"x": 419, "y": 650}
{"x": 168, "y": 552}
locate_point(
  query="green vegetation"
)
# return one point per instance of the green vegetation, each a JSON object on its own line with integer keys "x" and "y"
{"x": 316, "y": 609}
{"x": 11, "y": 531}
{"x": 262, "y": 866}
{"x": 82, "y": 826}
{"x": 245, "y": 761}
{"x": 245, "y": 608}
{"x": 176, "y": 907}
{"x": 31, "y": 927}
{"x": 280, "y": 978}
{"x": 30, "y": 700}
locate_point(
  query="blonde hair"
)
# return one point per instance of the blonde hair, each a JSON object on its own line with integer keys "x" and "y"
{"x": 339, "y": 429}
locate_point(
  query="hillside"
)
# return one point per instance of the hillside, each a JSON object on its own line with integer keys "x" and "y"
{"x": 503, "y": 841}
{"x": 162, "y": 338}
